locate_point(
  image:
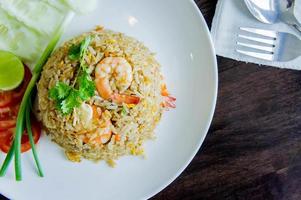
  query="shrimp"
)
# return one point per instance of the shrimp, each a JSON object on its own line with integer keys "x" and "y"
{"x": 120, "y": 71}
{"x": 169, "y": 101}
{"x": 83, "y": 115}
{"x": 104, "y": 134}
{"x": 103, "y": 131}
{"x": 96, "y": 112}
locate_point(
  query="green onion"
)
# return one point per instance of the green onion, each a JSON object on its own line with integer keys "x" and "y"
{"x": 20, "y": 130}
{"x": 16, "y": 146}
{"x": 7, "y": 160}
{"x": 31, "y": 140}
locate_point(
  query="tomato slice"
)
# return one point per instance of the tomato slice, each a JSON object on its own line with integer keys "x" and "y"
{"x": 6, "y": 138}
{"x": 9, "y": 107}
{"x": 6, "y": 124}
{"x": 5, "y": 99}
{"x": 3, "y": 134}
{"x": 9, "y": 112}
{"x": 8, "y": 98}
{"x": 4, "y": 111}
{"x": 18, "y": 93}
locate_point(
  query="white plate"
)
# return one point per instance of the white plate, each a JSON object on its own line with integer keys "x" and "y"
{"x": 176, "y": 30}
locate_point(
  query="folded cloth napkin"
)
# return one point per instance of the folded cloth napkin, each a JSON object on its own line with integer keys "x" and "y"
{"x": 232, "y": 14}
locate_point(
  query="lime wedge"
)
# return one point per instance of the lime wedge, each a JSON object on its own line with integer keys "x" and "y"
{"x": 11, "y": 71}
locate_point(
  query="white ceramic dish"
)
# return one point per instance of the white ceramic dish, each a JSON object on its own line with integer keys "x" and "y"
{"x": 176, "y": 30}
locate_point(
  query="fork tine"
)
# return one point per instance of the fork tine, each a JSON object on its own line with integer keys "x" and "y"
{"x": 266, "y": 33}
{"x": 258, "y": 47}
{"x": 264, "y": 56}
{"x": 257, "y": 39}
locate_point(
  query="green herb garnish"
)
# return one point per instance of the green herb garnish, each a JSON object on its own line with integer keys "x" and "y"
{"x": 60, "y": 91}
{"x": 124, "y": 110}
{"x": 78, "y": 51}
{"x": 72, "y": 101}
{"x": 86, "y": 86}
{"x": 67, "y": 97}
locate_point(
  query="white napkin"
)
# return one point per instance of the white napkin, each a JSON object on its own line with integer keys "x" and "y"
{"x": 232, "y": 14}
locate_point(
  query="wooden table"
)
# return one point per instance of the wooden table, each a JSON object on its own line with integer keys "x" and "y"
{"x": 253, "y": 148}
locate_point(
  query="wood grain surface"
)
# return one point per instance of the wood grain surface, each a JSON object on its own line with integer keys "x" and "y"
{"x": 253, "y": 148}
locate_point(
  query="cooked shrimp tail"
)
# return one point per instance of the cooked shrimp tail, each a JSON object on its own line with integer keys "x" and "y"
{"x": 119, "y": 98}
{"x": 168, "y": 101}
{"x": 119, "y": 70}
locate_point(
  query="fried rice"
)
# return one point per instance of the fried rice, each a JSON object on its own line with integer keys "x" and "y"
{"x": 131, "y": 124}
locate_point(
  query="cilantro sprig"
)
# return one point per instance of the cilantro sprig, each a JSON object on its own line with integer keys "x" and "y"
{"x": 68, "y": 97}
{"x": 78, "y": 51}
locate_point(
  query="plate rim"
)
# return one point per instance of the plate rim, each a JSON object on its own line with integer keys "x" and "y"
{"x": 212, "y": 50}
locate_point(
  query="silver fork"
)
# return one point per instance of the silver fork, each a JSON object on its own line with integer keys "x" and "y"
{"x": 268, "y": 45}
